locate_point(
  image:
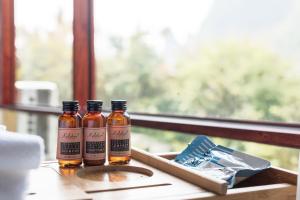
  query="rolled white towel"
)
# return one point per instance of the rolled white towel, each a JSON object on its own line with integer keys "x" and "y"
{"x": 20, "y": 151}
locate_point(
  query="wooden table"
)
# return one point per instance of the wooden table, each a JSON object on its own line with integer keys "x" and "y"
{"x": 141, "y": 180}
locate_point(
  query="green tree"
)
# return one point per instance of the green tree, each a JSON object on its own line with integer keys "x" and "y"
{"x": 237, "y": 80}
{"x": 132, "y": 74}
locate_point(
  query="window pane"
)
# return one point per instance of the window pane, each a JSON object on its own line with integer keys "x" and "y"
{"x": 229, "y": 59}
{"x": 44, "y": 51}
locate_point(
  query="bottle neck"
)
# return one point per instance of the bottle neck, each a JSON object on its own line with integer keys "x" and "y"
{"x": 118, "y": 111}
{"x": 94, "y": 112}
{"x": 69, "y": 112}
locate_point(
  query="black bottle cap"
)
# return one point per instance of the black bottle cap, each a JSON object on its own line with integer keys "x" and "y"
{"x": 70, "y": 106}
{"x": 118, "y": 105}
{"x": 94, "y": 105}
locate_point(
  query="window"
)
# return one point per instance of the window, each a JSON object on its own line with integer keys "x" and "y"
{"x": 209, "y": 59}
{"x": 225, "y": 59}
{"x": 232, "y": 59}
{"x": 44, "y": 51}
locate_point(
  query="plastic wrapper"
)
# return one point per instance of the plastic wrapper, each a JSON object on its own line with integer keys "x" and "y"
{"x": 220, "y": 162}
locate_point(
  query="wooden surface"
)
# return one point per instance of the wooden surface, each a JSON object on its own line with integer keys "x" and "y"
{"x": 83, "y": 52}
{"x": 51, "y": 181}
{"x": 267, "y": 192}
{"x": 7, "y": 52}
{"x": 267, "y": 177}
{"x": 122, "y": 186}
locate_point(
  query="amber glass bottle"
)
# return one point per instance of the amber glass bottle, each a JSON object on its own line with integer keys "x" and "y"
{"x": 94, "y": 136}
{"x": 69, "y": 139}
{"x": 118, "y": 127}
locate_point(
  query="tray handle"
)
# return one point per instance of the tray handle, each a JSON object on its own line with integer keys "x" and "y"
{"x": 197, "y": 178}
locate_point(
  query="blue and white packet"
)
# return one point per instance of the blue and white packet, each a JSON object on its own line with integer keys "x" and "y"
{"x": 220, "y": 162}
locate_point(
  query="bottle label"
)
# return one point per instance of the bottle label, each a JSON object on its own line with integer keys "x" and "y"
{"x": 94, "y": 143}
{"x": 119, "y": 140}
{"x": 69, "y": 144}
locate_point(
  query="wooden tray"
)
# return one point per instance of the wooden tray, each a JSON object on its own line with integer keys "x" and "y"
{"x": 271, "y": 184}
{"x": 153, "y": 177}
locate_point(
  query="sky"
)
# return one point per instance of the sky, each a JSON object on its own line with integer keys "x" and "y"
{"x": 119, "y": 17}
{"x": 41, "y": 14}
{"x": 115, "y": 17}
{"x": 183, "y": 17}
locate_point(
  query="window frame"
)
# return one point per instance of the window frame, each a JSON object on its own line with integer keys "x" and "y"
{"x": 83, "y": 51}
{"x": 84, "y": 72}
{"x": 7, "y": 52}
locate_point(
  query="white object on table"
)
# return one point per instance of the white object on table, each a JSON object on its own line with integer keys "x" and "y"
{"x": 298, "y": 180}
{"x": 19, "y": 154}
{"x": 2, "y": 128}
{"x": 20, "y": 151}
